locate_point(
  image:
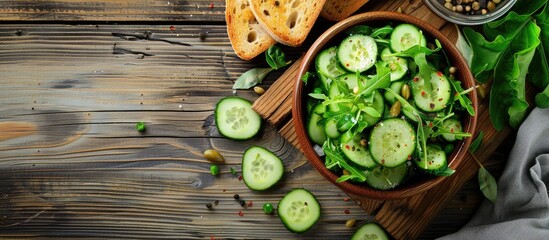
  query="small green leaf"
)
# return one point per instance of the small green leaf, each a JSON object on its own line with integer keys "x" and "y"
{"x": 360, "y": 29}
{"x": 381, "y": 32}
{"x": 251, "y": 78}
{"x": 305, "y": 78}
{"x": 233, "y": 171}
{"x": 319, "y": 96}
{"x": 371, "y": 111}
{"x": 445, "y": 173}
{"x": 487, "y": 184}
{"x": 475, "y": 145}
{"x": 464, "y": 100}
{"x": 275, "y": 57}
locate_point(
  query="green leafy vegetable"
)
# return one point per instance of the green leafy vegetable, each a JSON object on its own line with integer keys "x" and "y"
{"x": 487, "y": 184}
{"x": 275, "y": 57}
{"x": 446, "y": 172}
{"x": 465, "y": 102}
{"x": 306, "y": 76}
{"x": 475, "y": 145}
{"x": 251, "y": 78}
{"x": 512, "y": 50}
{"x": 359, "y": 29}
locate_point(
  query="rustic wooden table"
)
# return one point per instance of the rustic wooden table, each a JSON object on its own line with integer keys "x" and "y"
{"x": 76, "y": 76}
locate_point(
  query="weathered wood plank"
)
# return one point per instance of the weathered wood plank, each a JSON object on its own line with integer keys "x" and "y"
{"x": 74, "y": 166}
{"x": 113, "y": 10}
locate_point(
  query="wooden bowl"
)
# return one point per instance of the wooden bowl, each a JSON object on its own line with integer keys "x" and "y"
{"x": 332, "y": 36}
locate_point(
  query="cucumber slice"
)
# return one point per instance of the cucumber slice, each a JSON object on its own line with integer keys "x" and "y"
{"x": 453, "y": 125}
{"x": 328, "y": 67}
{"x": 392, "y": 142}
{"x": 370, "y": 231}
{"x": 299, "y": 210}
{"x": 385, "y": 178}
{"x": 351, "y": 80}
{"x": 261, "y": 169}
{"x": 405, "y": 36}
{"x": 434, "y": 100}
{"x": 330, "y": 128}
{"x": 397, "y": 65}
{"x": 358, "y": 154}
{"x": 378, "y": 105}
{"x": 315, "y": 131}
{"x": 436, "y": 160}
{"x": 396, "y": 87}
{"x": 357, "y": 53}
{"x": 235, "y": 118}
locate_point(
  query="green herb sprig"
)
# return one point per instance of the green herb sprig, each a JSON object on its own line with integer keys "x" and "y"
{"x": 276, "y": 60}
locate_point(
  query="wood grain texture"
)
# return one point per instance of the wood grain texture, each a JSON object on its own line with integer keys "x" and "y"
{"x": 113, "y": 10}
{"x": 84, "y": 171}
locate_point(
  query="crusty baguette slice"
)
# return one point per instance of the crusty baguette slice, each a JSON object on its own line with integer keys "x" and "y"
{"x": 288, "y": 21}
{"x": 247, "y": 36}
{"x": 337, "y": 10}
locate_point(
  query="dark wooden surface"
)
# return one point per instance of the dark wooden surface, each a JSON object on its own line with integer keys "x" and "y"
{"x": 72, "y": 87}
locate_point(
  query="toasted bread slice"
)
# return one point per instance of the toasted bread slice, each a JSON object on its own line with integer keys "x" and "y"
{"x": 247, "y": 36}
{"x": 288, "y": 21}
{"x": 337, "y": 10}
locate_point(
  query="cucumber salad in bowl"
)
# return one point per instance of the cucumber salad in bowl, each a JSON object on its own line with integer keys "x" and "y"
{"x": 383, "y": 105}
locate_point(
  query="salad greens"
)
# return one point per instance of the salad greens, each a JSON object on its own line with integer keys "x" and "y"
{"x": 350, "y": 105}
{"x": 510, "y": 51}
{"x": 276, "y": 60}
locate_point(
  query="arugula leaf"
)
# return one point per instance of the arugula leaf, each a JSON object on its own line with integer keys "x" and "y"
{"x": 359, "y": 29}
{"x": 305, "y": 78}
{"x": 382, "y": 32}
{"x": 275, "y": 57}
{"x": 360, "y": 176}
{"x": 381, "y": 80}
{"x": 488, "y": 184}
{"x": 475, "y": 145}
{"x": 464, "y": 101}
{"x": 251, "y": 78}
{"x": 445, "y": 173}
{"x": 319, "y": 96}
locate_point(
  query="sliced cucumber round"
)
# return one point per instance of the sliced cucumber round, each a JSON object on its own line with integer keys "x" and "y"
{"x": 330, "y": 128}
{"x": 392, "y": 142}
{"x": 315, "y": 131}
{"x": 397, "y": 65}
{"x": 370, "y": 231}
{"x": 299, "y": 210}
{"x": 396, "y": 87}
{"x": 385, "y": 178}
{"x": 261, "y": 169}
{"x": 358, "y": 154}
{"x": 436, "y": 99}
{"x": 357, "y": 53}
{"x": 405, "y": 36}
{"x": 378, "y": 105}
{"x": 454, "y": 126}
{"x": 328, "y": 67}
{"x": 235, "y": 118}
{"x": 351, "y": 80}
{"x": 436, "y": 159}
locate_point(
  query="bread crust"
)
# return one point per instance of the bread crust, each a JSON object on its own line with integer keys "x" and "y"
{"x": 248, "y": 38}
{"x": 337, "y": 10}
{"x": 287, "y": 21}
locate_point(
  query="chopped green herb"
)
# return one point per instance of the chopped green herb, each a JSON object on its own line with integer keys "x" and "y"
{"x": 233, "y": 172}
{"x": 475, "y": 145}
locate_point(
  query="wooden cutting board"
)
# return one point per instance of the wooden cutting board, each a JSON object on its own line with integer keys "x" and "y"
{"x": 405, "y": 218}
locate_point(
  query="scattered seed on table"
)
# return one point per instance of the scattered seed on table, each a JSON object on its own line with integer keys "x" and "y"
{"x": 214, "y": 170}
{"x": 240, "y": 213}
{"x": 140, "y": 127}
{"x": 242, "y": 203}
{"x": 350, "y": 223}
{"x": 236, "y": 196}
{"x": 250, "y": 204}
{"x": 209, "y": 205}
{"x": 268, "y": 208}
{"x": 216, "y": 203}
{"x": 347, "y": 211}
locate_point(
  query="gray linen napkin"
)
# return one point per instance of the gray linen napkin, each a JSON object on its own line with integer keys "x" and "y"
{"x": 521, "y": 210}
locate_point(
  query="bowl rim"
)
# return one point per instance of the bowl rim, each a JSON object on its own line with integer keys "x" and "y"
{"x": 464, "y": 75}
